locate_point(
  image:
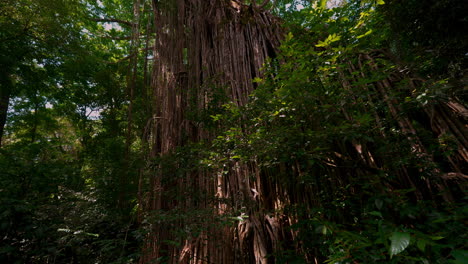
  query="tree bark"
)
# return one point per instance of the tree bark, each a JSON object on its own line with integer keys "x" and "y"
{"x": 203, "y": 44}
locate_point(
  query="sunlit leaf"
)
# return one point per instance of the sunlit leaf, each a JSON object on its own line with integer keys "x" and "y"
{"x": 365, "y": 34}
{"x": 400, "y": 242}
{"x": 322, "y": 230}
{"x": 323, "y": 3}
{"x": 330, "y": 39}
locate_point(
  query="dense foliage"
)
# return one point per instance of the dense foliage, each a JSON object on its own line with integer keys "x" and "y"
{"x": 321, "y": 124}
{"x": 63, "y": 155}
{"x": 310, "y": 111}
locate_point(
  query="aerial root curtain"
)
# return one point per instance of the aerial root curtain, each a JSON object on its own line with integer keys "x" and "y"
{"x": 201, "y": 44}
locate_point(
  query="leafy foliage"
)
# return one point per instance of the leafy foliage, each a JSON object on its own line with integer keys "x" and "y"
{"x": 63, "y": 148}
{"x": 324, "y": 125}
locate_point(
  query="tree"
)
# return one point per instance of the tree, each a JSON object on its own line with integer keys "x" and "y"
{"x": 203, "y": 48}
{"x": 32, "y": 34}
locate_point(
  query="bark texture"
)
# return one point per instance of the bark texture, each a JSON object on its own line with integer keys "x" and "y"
{"x": 202, "y": 44}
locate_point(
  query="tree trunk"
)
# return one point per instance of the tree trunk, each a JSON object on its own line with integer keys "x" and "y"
{"x": 201, "y": 46}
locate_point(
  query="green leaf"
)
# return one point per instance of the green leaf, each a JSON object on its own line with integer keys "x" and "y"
{"x": 323, "y": 3}
{"x": 321, "y": 230}
{"x": 331, "y": 38}
{"x": 380, "y": 2}
{"x": 365, "y": 34}
{"x": 461, "y": 256}
{"x": 91, "y": 234}
{"x": 257, "y": 80}
{"x": 421, "y": 244}
{"x": 376, "y": 213}
{"x": 378, "y": 203}
{"x": 400, "y": 242}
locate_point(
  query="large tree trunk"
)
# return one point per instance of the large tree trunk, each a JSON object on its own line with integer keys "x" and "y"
{"x": 203, "y": 45}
